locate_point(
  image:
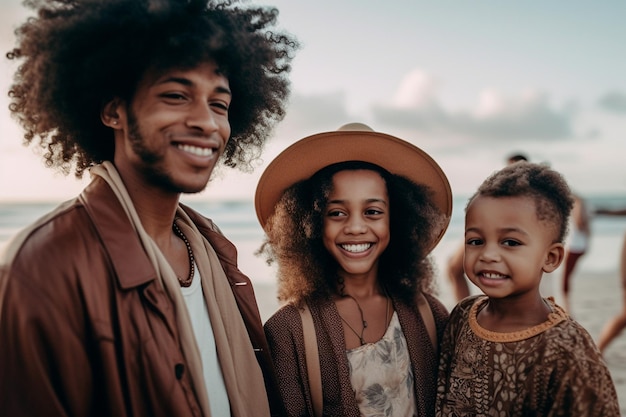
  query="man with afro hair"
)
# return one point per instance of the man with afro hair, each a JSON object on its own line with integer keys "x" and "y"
{"x": 123, "y": 301}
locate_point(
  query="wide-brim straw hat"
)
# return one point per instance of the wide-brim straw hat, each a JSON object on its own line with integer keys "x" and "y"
{"x": 351, "y": 142}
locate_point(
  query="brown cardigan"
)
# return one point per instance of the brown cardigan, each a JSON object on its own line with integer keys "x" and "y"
{"x": 284, "y": 334}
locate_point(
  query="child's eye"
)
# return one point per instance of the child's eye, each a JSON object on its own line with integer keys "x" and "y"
{"x": 474, "y": 242}
{"x": 510, "y": 242}
{"x": 335, "y": 213}
{"x": 373, "y": 212}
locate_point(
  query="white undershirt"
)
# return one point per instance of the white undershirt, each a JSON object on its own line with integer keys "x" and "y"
{"x": 201, "y": 323}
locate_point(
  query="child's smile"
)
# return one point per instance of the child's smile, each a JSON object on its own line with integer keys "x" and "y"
{"x": 356, "y": 248}
{"x": 356, "y": 225}
{"x": 506, "y": 247}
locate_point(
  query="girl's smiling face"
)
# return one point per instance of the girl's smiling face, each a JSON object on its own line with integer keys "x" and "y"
{"x": 356, "y": 222}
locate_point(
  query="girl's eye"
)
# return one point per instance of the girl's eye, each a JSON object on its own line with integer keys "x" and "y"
{"x": 511, "y": 242}
{"x": 334, "y": 213}
{"x": 373, "y": 212}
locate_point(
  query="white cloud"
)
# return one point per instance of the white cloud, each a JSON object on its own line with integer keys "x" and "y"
{"x": 418, "y": 89}
{"x": 527, "y": 116}
{"x": 490, "y": 103}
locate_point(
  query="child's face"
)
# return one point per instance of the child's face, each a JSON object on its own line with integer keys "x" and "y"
{"x": 356, "y": 222}
{"x": 507, "y": 248}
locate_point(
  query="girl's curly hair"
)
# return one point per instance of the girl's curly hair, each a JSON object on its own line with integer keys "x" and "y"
{"x": 549, "y": 190}
{"x": 77, "y": 55}
{"x": 305, "y": 267}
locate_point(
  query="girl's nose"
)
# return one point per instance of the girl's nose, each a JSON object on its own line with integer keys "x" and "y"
{"x": 355, "y": 225}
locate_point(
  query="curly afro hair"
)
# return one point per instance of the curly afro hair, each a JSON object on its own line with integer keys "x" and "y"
{"x": 552, "y": 196}
{"x": 305, "y": 267}
{"x": 77, "y": 55}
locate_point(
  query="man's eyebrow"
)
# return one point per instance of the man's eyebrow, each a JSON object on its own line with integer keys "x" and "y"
{"x": 188, "y": 83}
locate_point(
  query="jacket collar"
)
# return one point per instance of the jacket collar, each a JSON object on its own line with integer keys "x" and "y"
{"x": 131, "y": 263}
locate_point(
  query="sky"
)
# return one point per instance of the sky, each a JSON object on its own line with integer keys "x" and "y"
{"x": 468, "y": 82}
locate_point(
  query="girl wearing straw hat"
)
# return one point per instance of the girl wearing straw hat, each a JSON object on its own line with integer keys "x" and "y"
{"x": 351, "y": 217}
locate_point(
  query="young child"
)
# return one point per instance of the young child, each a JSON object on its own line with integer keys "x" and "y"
{"x": 351, "y": 217}
{"x": 454, "y": 266}
{"x": 511, "y": 352}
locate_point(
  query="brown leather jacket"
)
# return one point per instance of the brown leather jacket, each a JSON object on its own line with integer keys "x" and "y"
{"x": 86, "y": 330}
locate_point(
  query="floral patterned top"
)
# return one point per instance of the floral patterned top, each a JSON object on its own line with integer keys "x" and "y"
{"x": 552, "y": 369}
{"x": 381, "y": 375}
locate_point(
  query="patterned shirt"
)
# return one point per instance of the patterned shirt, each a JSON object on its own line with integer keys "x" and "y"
{"x": 381, "y": 375}
{"x": 552, "y": 369}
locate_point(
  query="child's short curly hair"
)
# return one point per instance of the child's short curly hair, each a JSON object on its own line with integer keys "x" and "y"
{"x": 79, "y": 54}
{"x": 307, "y": 269}
{"x": 552, "y": 196}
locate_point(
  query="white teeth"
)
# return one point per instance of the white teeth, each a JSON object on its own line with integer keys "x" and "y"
{"x": 196, "y": 150}
{"x": 361, "y": 247}
{"x": 492, "y": 275}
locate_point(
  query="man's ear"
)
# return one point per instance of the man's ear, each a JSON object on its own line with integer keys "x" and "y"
{"x": 112, "y": 114}
{"x": 554, "y": 257}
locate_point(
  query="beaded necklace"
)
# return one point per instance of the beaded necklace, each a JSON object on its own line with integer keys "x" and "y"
{"x": 180, "y": 234}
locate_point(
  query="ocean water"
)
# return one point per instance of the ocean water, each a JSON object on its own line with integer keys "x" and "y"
{"x": 237, "y": 219}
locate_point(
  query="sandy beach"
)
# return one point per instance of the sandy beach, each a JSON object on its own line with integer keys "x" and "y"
{"x": 595, "y": 298}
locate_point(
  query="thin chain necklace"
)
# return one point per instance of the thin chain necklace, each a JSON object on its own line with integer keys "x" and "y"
{"x": 363, "y": 321}
{"x": 180, "y": 234}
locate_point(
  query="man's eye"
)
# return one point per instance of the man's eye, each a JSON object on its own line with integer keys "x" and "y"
{"x": 221, "y": 106}
{"x": 173, "y": 96}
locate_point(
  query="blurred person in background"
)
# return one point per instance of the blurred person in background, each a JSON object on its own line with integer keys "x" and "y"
{"x": 577, "y": 244}
{"x": 614, "y": 327}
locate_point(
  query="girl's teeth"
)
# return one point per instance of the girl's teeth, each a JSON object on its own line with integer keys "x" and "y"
{"x": 196, "y": 150}
{"x": 362, "y": 247}
{"x": 493, "y": 276}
